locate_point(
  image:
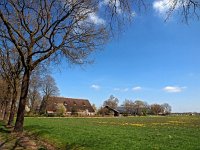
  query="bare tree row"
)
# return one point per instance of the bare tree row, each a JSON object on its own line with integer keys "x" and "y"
{"x": 42, "y": 85}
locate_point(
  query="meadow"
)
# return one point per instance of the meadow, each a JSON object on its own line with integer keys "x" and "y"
{"x": 123, "y": 133}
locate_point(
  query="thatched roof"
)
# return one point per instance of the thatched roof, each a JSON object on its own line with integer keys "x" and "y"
{"x": 70, "y": 103}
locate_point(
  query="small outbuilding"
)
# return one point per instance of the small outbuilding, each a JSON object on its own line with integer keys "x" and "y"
{"x": 116, "y": 112}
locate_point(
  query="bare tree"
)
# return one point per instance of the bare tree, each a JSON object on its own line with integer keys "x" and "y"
{"x": 187, "y": 9}
{"x": 111, "y": 102}
{"x": 48, "y": 30}
{"x": 166, "y": 108}
{"x": 139, "y": 106}
{"x": 102, "y": 111}
{"x": 10, "y": 70}
{"x": 94, "y": 107}
{"x": 7, "y": 100}
{"x": 34, "y": 92}
{"x": 35, "y": 87}
{"x": 5, "y": 93}
{"x": 156, "y": 109}
{"x": 129, "y": 106}
{"x": 49, "y": 88}
{"x": 2, "y": 88}
{"x": 3, "y": 99}
{"x": 34, "y": 97}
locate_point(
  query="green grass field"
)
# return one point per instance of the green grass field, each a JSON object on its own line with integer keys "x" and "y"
{"x": 125, "y": 133}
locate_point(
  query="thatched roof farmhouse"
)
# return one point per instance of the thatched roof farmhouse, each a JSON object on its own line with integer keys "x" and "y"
{"x": 72, "y": 105}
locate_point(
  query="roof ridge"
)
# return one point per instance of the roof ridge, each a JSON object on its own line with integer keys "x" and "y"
{"x": 69, "y": 98}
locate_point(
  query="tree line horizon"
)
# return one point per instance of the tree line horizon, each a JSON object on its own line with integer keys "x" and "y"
{"x": 134, "y": 107}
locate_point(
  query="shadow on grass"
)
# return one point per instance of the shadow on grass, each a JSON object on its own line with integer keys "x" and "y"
{"x": 37, "y": 130}
{"x": 3, "y": 132}
{"x": 73, "y": 146}
{"x": 14, "y": 141}
{"x": 3, "y": 143}
{"x": 4, "y": 129}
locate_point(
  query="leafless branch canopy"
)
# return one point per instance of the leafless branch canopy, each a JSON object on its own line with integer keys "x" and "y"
{"x": 41, "y": 29}
{"x": 10, "y": 65}
{"x": 188, "y": 9}
{"x": 51, "y": 29}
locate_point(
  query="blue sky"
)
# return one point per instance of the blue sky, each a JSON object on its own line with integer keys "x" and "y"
{"x": 152, "y": 60}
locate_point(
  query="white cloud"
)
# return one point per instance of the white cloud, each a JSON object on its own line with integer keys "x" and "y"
{"x": 96, "y": 19}
{"x": 125, "y": 89}
{"x": 162, "y": 6}
{"x": 174, "y": 89}
{"x": 133, "y": 14}
{"x": 85, "y": 15}
{"x": 96, "y": 87}
{"x": 137, "y": 88}
{"x": 121, "y": 90}
{"x": 116, "y": 89}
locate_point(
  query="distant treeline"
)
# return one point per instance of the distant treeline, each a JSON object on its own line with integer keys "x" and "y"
{"x": 130, "y": 107}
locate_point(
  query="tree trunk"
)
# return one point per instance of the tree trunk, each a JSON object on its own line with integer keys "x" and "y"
{"x": 13, "y": 107}
{"x": 43, "y": 105}
{"x": 32, "y": 103}
{"x": 7, "y": 98}
{"x": 22, "y": 102}
{"x": 5, "y": 113}
{"x": 1, "y": 111}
